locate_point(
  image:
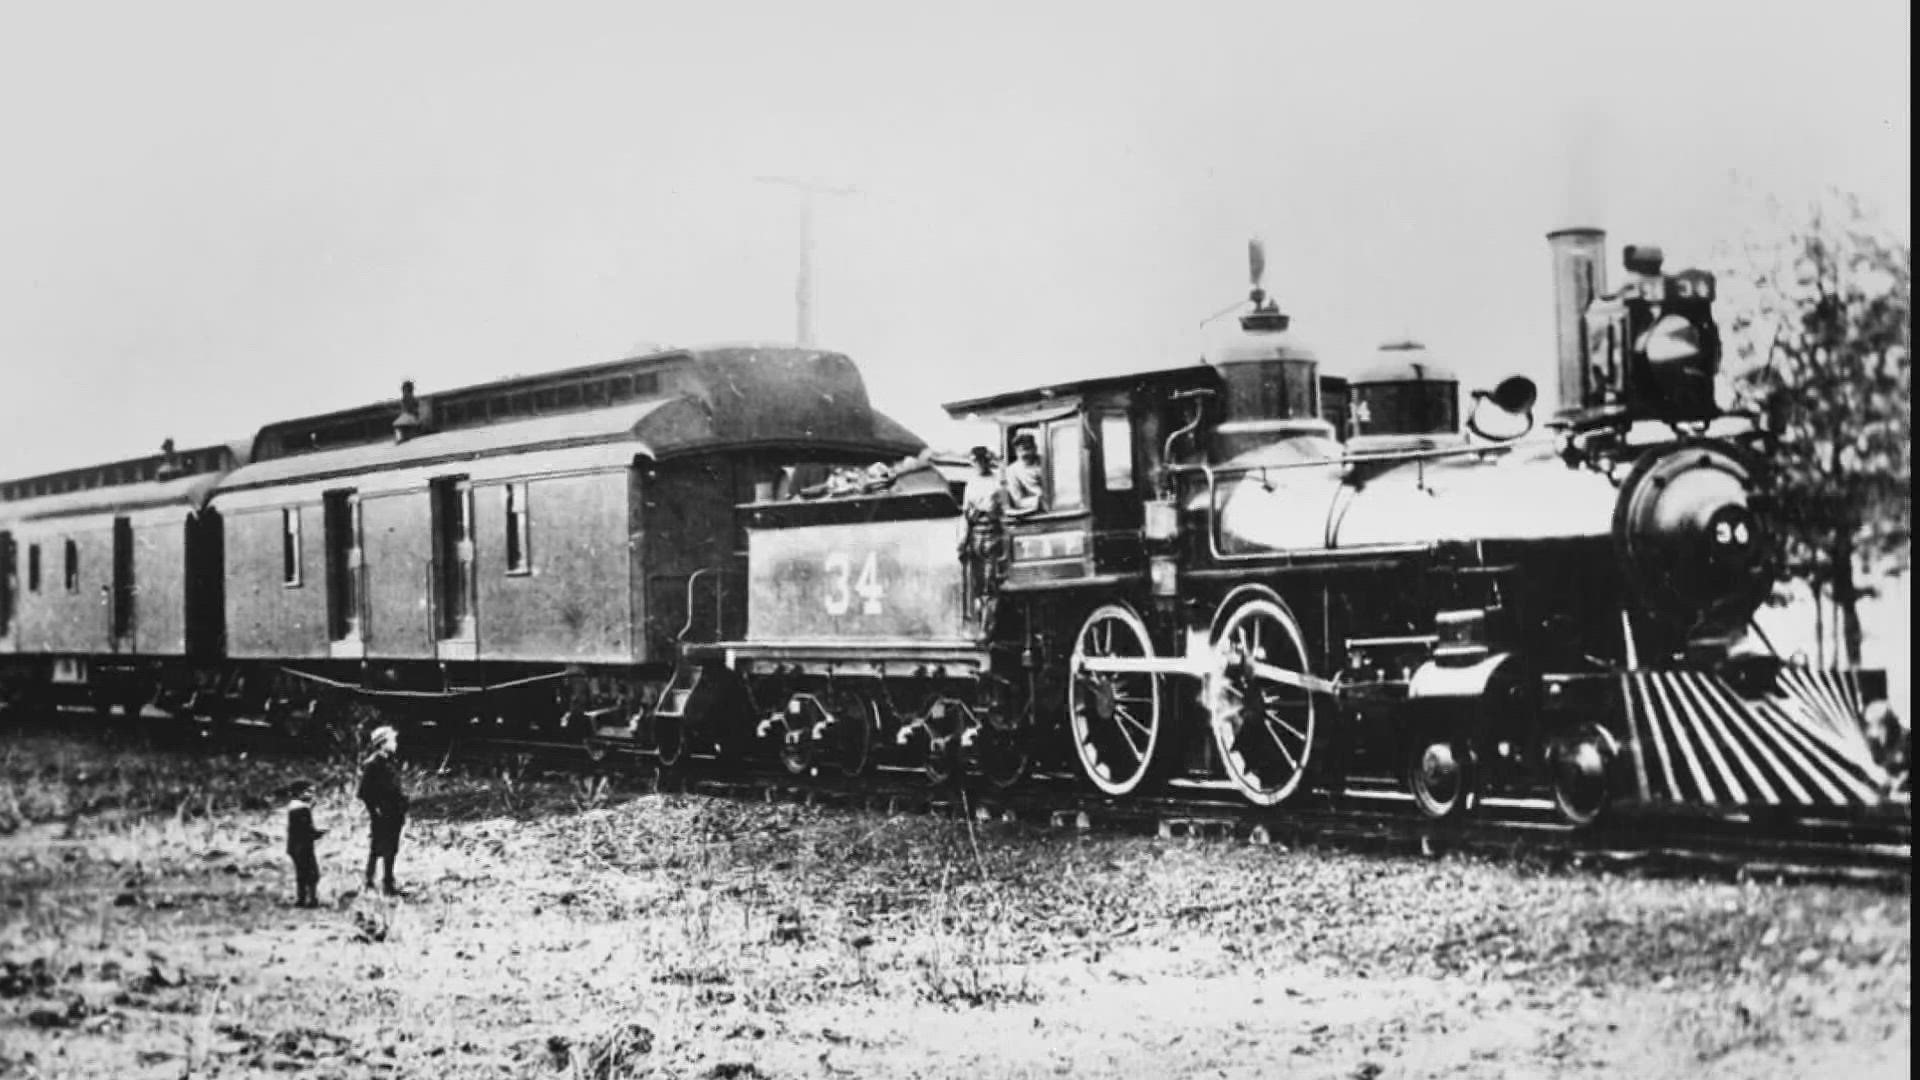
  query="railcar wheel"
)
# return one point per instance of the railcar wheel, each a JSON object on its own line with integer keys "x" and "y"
{"x": 1440, "y": 774}
{"x": 669, "y": 739}
{"x": 857, "y": 727}
{"x": 796, "y": 743}
{"x": 1262, "y": 701}
{"x": 999, "y": 752}
{"x": 1007, "y": 759}
{"x": 941, "y": 725}
{"x": 1116, "y": 716}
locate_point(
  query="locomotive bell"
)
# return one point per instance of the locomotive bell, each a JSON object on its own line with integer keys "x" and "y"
{"x": 1513, "y": 402}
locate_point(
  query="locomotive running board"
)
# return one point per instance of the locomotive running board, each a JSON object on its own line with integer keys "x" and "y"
{"x": 870, "y": 658}
{"x": 1200, "y": 666}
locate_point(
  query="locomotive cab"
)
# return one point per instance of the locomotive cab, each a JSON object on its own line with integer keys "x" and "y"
{"x": 1103, "y": 447}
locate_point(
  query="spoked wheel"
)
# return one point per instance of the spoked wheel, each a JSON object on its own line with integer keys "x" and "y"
{"x": 1118, "y": 730}
{"x": 1440, "y": 775}
{"x": 669, "y": 739}
{"x": 1007, "y": 759}
{"x": 942, "y": 724}
{"x": 1001, "y": 752}
{"x": 1262, "y": 701}
{"x": 853, "y": 737}
{"x": 1580, "y": 789}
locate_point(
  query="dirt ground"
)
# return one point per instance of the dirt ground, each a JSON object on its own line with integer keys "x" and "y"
{"x": 568, "y": 927}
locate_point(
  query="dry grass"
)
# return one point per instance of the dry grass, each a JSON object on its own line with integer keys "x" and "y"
{"x": 576, "y": 928}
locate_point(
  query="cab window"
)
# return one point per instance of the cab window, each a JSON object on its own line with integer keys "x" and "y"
{"x": 1116, "y": 452}
{"x": 1064, "y": 453}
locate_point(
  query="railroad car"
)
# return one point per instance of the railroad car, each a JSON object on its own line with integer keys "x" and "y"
{"x": 109, "y": 580}
{"x": 522, "y": 558}
{"x": 519, "y": 558}
{"x": 1217, "y": 585}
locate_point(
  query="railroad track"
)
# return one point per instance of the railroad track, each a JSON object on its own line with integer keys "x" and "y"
{"x": 1869, "y": 849}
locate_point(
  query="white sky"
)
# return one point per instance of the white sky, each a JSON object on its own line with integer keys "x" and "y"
{"x": 216, "y": 215}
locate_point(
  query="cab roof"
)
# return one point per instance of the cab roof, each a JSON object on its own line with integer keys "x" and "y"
{"x": 1062, "y": 397}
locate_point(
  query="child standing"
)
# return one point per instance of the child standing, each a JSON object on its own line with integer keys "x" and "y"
{"x": 386, "y": 804}
{"x": 300, "y": 837}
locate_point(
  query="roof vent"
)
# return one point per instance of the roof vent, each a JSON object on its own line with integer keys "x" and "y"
{"x": 407, "y": 424}
{"x": 169, "y": 462}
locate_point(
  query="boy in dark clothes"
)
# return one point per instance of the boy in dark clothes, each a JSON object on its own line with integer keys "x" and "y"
{"x": 386, "y": 804}
{"x": 300, "y": 837}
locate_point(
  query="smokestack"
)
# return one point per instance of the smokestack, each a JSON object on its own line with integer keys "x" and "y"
{"x": 1579, "y": 275}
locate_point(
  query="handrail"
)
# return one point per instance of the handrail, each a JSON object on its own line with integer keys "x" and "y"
{"x": 1348, "y": 459}
{"x": 688, "y": 625}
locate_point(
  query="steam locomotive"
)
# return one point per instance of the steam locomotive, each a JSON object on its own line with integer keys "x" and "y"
{"x": 1222, "y": 582}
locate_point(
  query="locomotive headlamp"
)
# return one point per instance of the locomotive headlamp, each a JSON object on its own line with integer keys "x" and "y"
{"x": 1672, "y": 340}
{"x": 1680, "y": 367}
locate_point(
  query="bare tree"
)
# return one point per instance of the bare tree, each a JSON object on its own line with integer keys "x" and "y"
{"x": 1825, "y": 337}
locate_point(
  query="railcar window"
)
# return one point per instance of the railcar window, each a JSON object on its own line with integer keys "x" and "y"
{"x": 7, "y": 583}
{"x": 33, "y": 568}
{"x": 646, "y": 384}
{"x": 73, "y": 566}
{"x": 619, "y": 389}
{"x": 290, "y": 546}
{"x": 1116, "y": 452}
{"x": 1063, "y": 465}
{"x": 519, "y": 554}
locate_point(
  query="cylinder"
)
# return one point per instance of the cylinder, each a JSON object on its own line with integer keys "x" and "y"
{"x": 1579, "y": 275}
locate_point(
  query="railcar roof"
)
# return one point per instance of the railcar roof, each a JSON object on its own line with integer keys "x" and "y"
{"x": 625, "y": 424}
{"x": 740, "y": 396}
{"x": 121, "y": 486}
{"x": 1016, "y": 401}
{"x": 749, "y": 393}
{"x": 187, "y": 491}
